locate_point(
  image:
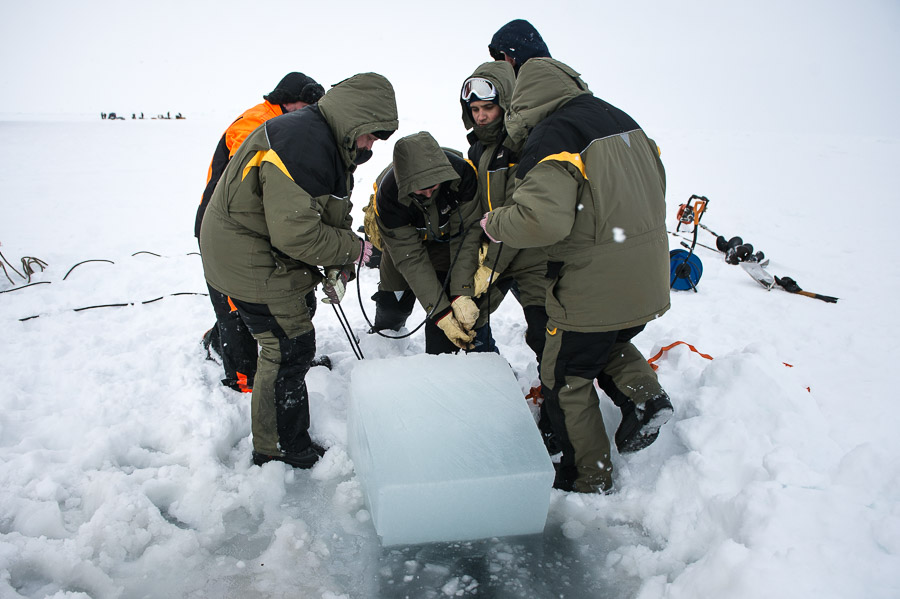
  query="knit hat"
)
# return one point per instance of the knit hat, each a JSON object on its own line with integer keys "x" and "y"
{"x": 518, "y": 39}
{"x": 295, "y": 87}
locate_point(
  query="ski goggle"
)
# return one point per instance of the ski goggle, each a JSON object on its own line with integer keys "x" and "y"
{"x": 480, "y": 87}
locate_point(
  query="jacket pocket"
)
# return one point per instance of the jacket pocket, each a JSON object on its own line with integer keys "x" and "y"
{"x": 289, "y": 277}
{"x": 556, "y": 310}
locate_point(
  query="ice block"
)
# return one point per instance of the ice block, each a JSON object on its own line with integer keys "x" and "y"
{"x": 446, "y": 449}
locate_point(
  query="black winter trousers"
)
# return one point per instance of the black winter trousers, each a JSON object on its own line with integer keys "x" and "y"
{"x": 234, "y": 343}
{"x": 280, "y": 401}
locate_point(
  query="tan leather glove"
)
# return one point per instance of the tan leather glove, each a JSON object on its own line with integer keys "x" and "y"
{"x": 455, "y": 333}
{"x": 465, "y": 311}
{"x": 483, "y": 279}
{"x": 483, "y": 276}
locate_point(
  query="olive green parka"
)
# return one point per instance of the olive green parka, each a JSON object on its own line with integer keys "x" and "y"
{"x": 282, "y": 207}
{"x": 591, "y": 190}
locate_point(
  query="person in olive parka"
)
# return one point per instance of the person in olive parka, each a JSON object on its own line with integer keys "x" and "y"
{"x": 281, "y": 211}
{"x": 426, "y": 212}
{"x": 591, "y": 191}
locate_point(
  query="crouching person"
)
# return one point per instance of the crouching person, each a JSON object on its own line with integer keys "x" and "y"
{"x": 282, "y": 210}
{"x": 427, "y": 213}
{"x": 591, "y": 190}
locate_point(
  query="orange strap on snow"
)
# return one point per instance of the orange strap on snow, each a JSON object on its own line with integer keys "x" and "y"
{"x": 668, "y": 347}
{"x": 695, "y": 350}
{"x": 536, "y": 396}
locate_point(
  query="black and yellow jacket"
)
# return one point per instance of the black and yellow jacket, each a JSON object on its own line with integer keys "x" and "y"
{"x": 493, "y": 154}
{"x": 283, "y": 205}
{"x": 591, "y": 190}
{"x": 428, "y": 236}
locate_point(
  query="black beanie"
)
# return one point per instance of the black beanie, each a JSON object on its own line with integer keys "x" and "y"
{"x": 295, "y": 87}
{"x": 518, "y": 39}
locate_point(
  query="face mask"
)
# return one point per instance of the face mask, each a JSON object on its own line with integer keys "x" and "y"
{"x": 362, "y": 155}
{"x": 490, "y": 133}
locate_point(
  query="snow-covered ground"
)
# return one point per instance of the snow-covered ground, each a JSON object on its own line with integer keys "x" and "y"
{"x": 125, "y": 467}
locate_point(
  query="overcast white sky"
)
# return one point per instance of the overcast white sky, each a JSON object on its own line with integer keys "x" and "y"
{"x": 670, "y": 64}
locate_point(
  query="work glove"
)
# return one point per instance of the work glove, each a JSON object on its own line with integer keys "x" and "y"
{"x": 365, "y": 252}
{"x": 484, "y": 273}
{"x": 483, "y": 224}
{"x": 465, "y": 311}
{"x": 334, "y": 286}
{"x": 455, "y": 333}
{"x": 483, "y": 279}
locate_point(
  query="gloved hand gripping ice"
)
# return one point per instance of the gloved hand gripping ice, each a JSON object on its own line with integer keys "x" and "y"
{"x": 454, "y": 331}
{"x": 465, "y": 311}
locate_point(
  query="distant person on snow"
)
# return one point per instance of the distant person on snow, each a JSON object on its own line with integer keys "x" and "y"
{"x": 228, "y": 337}
{"x": 590, "y": 190}
{"x": 280, "y": 212}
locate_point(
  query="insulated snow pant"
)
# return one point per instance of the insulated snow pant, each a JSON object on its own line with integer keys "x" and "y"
{"x": 628, "y": 376}
{"x": 234, "y": 343}
{"x": 571, "y": 362}
{"x": 280, "y": 403}
{"x": 392, "y": 309}
{"x": 394, "y": 300}
{"x": 526, "y": 277}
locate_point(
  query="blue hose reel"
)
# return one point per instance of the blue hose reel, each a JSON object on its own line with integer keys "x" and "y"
{"x": 684, "y": 270}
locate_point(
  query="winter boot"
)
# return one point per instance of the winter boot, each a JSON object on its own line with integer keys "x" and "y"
{"x": 305, "y": 459}
{"x": 565, "y": 477}
{"x": 212, "y": 344}
{"x": 392, "y": 310}
{"x": 322, "y": 360}
{"x": 640, "y": 424}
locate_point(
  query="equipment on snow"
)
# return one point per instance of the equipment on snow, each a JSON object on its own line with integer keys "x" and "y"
{"x": 790, "y": 285}
{"x": 685, "y": 270}
{"x": 28, "y": 264}
{"x": 735, "y": 250}
{"x": 348, "y": 330}
{"x": 759, "y": 274}
{"x": 691, "y": 212}
{"x": 767, "y": 280}
{"x": 684, "y": 267}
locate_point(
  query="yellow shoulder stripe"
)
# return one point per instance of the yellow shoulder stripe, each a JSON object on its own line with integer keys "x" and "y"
{"x": 375, "y": 197}
{"x": 266, "y": 156}
{"x": 575, "y": 159}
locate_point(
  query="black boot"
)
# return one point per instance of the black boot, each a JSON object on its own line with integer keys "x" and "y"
{"x": 304, "y": 459}
{"x": 640, "y": 424}
{"x": 212, "y": 343}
